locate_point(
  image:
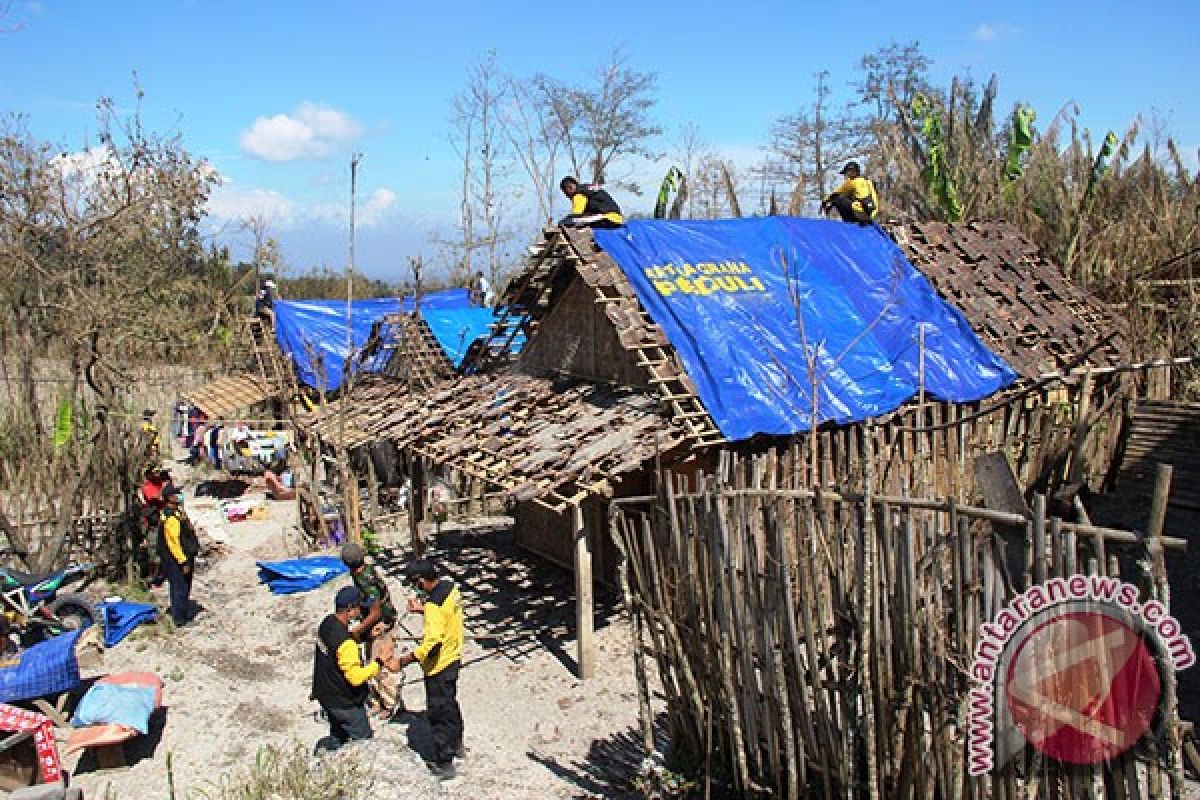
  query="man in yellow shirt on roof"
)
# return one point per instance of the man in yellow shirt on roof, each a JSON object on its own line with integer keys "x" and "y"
{"x": 440, "y": 656}
{"x": 855, "y": 200}
{"x": 591, "y": 206}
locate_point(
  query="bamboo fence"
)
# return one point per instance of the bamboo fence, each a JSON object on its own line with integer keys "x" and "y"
{"x": 818, "y": 643}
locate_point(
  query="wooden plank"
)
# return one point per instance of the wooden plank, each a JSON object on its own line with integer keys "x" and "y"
{"x": 584, "y": 605}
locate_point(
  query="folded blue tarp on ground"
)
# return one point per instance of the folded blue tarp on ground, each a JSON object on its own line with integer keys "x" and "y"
{"x": 48, "y": 667}
{"x": 299, "y": 574}
{"x": 122, "y": 617}
{"x": 313, "y": 332}
{"x": 726, "y": 294}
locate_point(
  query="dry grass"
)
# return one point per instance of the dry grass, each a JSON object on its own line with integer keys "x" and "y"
{"x": 291, "y": 774}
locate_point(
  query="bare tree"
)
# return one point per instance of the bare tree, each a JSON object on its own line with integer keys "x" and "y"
{"x": 533, "y": 135}
{"x": 690, "y": 150}
{"x": 811, "y": 142}
{"x": 101, "y": 268}
{"x": 598, "y": 126}
{"x": 482, "y": 148}
{"x": 891, "y": 77}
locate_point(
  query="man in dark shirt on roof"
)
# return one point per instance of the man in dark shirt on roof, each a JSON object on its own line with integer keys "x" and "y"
{"x": 591, "y": 206}
{"x": 339, "y": 676}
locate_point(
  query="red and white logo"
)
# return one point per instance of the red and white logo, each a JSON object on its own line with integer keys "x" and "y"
{"x": 1082, "y": 686}
{"x": 1074, "y": 668}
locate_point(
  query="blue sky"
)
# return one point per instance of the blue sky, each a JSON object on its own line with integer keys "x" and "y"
{"x": 277, "y": 95}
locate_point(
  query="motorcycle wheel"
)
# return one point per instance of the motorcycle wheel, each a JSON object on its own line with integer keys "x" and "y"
{"x": 74, "y": 611}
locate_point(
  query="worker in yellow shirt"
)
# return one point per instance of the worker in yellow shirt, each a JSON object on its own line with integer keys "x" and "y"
{"x": 178, "y": 547}
{"x": 150, "y": 432}
{"x": 440, "y": 656}
{"x": 591, "y": 206}
{"x": 339, "y": 674}
{"x": 855, "y": 200}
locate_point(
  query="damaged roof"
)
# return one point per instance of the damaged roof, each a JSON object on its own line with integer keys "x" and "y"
{"x": 1016, "y": 300}
{"x": 228, "y": 395}
{"x": 536, "y": 438}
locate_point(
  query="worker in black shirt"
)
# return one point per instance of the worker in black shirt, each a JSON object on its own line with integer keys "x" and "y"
{"x": 591, "y": 206}
{"x": 339, "y": 676}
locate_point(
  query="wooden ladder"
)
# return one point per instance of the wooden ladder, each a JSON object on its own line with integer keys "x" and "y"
{"x": 524, "y": 301}
{"x": 267, "y": 358}
{"x": 667, "y": 378}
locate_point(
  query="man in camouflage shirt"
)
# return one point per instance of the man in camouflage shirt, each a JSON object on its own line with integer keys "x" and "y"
{"x": 375, "y": 631}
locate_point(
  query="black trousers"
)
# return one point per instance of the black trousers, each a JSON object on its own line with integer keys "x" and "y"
{"x": 845, "y": 206}
{"x": 345, "y": 725}
{"x": 441, "y": 709}
{"x": 181, "y": 589}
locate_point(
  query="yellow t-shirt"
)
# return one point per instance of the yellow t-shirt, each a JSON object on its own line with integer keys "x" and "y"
{"x": 171, "y": 528}
{"x": 442, "y": 643}
{"x": 860, "y": 189}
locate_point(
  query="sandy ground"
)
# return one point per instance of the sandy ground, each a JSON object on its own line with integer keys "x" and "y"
{"x": 238, "y": 678}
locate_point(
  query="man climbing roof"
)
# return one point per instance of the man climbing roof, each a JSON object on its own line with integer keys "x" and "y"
{"x": 591, "y": 206}
{"x": 855, "y": 200}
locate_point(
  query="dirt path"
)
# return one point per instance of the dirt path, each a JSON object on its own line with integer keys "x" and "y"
{"x": 238, "y": 678}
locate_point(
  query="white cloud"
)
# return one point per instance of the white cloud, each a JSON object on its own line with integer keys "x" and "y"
{"x": 374, "y": 212}
{"x": 84, "y": 163}
{"x": 312, "y": 131}
{"x": 993, "y": 32}
{"x": 230, "y": 202}
{"x": 377, "y": 206}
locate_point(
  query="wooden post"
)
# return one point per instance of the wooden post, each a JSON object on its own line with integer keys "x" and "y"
{"x": 584, "y": 611}
{"x": 372, "y": 489}
{"x": 350, "y": 497}
{"x": 1077, "y": 471}
{"x": 416, "y": 502}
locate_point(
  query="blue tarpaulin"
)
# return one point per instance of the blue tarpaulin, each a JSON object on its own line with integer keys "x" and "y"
{"x": 313, "y": 332}
{"x": 46, "y": 668}
{"x": 456, "y": 328}
{"x": 299, "y": 574}
{"x": 726, "y": 294}
{"x": 122, "y": 617}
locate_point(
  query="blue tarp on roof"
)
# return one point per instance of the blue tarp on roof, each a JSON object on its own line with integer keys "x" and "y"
{"x": 720, "y": 291}
{"x": 313, "y": 332}
{"x": 456, "y": 328}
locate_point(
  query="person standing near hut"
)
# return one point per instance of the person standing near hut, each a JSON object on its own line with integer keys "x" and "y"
{"x": 178, "y": 547}
{"x": 440, "y": 657}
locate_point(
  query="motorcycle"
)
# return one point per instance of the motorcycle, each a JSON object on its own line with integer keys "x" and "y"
{"x": 36, "y": 604}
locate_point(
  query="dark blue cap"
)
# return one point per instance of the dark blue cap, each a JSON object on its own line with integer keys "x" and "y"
{"x": 347, "y": 597}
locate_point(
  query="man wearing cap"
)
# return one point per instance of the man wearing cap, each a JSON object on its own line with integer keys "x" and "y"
{"x": 339, "y": 676}
{"x": 440, "y": 657}
{"x": 855, "y": 200}
{"x": 177, "y": 550}
{"x": 376, "y": 626}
